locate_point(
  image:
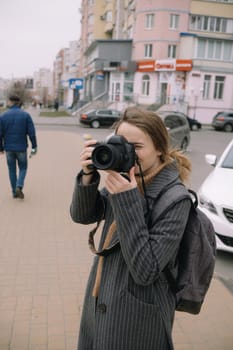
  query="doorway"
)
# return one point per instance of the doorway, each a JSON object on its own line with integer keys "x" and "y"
{"x": 163, "y": 94}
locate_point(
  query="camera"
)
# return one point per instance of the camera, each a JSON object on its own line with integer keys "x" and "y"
{"x": 115, "y": 154}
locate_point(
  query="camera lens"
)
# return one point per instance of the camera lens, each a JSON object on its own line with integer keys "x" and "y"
{"x": 103, "y": 156}
{"x": 116, "y": 154}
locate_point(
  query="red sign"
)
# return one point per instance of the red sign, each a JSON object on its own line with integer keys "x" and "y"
{"x": 167, "y": 65}
{"x": 146, "y": 66}
{"x": 184, "y": 65}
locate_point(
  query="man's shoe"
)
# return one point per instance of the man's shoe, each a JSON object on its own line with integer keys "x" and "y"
{"x": 19, "y": 193}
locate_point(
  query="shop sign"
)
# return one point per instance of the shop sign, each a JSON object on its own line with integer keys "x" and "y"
{"x": 146, "y": 66}
{"x": 76, "y": 84}
{"x": 173, "y": 65}
{"x": 99, "y": 75}
{"x": 183, "y": 65}
{"x": 168, "y": 65}
{"x": 165, "y": 65}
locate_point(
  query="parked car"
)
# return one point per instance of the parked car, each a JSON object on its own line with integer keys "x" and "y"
{"x": 194, "y": 124}
{"x": 99, "y": 117}
{"x": 223, "y": 121}
{"x": 216, "y": 197}
{"x": 178, "y": 128}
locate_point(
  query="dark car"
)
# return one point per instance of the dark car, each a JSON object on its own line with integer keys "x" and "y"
{"x": 194, "y": 124}
{"x": 223, "y": 121}
{"x": 99, "y": 117}
{"x": 178, "y": 128}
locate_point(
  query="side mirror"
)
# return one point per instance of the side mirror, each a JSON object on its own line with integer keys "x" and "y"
{"x": 211, "y": 159}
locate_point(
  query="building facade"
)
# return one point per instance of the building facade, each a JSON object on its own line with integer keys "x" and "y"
{"x": 209, "y": 42}
{"x": 67, "y": 77}
{"x": 43, "y": 87}
{"x": 176, "y": 53}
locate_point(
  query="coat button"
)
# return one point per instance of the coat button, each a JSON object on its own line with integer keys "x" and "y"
{"x": 102, "y": 308}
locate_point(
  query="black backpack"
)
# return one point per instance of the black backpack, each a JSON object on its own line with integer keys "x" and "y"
{"x": 196, "y": 256}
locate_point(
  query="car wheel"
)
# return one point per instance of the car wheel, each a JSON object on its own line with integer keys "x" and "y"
{"x": 95, "y": 124}
{"x": 194, "y": 127}
{"x": 228, "y": 127}
{"x": 184, "y": 144}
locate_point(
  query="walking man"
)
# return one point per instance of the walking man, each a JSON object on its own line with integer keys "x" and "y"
{"x": 16, "y": 126}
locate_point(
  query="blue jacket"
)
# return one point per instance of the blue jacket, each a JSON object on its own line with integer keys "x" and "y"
{"x": 16, "y": 126}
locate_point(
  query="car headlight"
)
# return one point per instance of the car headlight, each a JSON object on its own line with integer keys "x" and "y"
{"x": 207, "y": 204}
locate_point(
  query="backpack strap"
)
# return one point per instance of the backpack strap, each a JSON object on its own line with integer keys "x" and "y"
{"x": 167, "y": 199}
{"x": 172, "y": 195}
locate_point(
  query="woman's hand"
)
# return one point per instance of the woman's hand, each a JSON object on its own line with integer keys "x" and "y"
{"x": 85, "y": 155}
{"x": 116, "y": 183}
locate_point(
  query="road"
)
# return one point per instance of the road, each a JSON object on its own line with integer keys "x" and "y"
{"x": 202, "y": 142}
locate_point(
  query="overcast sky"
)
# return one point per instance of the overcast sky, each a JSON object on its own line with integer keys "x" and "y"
{"x": 33, "y": 31}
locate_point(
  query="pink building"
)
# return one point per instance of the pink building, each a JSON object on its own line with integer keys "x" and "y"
{"x": 156, "y": 40}
{"x": 184, "y": 52}
{"x": 181, "y": 53}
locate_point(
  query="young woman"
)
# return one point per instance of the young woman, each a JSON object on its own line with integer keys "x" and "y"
{"x": 129, "y": 304}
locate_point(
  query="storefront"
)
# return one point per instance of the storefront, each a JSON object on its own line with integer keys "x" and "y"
{"x": 162, "y": 81}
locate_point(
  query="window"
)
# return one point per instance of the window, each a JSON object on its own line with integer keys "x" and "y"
{"x": 206, "y": 87}
{"x": 218, "y": 87}
{"x": 109, "y": 16}
{"x": 145, "y": 85}
{"x": 149, "y": 21}
{"x": 148, "y": 50}
{"x": 174, "y": 21}
{"x": 201, "y": 48}
{"x": 173, "y": 121}
{"x": 104, "y": 111}
{"x": 218, "y": 25}
{"x": 218, "y": 49}
{"x": 205, "y": 23}
{"x": 228, "y": 161}
{"x": 128, "y": 86}
{"x": 227, "y": 51}
{"x": 90, "y": 38}
{"x": 229, "y": 1}
{"x": 171, "y": 51}
{"x": 213, "y": 49}
{"x": 199, "y": 22}
{"x": 211, "y": 24}
{"x": 210, "y": 51}
{"x": 90, "y": 20}
{"x": 130, "y": 32}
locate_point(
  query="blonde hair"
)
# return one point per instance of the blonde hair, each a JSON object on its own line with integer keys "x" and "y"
{"x": 151, "y": 124}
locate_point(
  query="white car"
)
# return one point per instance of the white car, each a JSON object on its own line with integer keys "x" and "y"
{"x": 216, "y": 197}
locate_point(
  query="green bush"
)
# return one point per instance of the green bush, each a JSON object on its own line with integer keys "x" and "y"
{"x": 54, "y": 114}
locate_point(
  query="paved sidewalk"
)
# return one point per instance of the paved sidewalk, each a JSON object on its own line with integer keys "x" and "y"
{"x": 44, "y": 262}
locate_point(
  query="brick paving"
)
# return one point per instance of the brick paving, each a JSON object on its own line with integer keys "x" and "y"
{"x": 44, "y": 262}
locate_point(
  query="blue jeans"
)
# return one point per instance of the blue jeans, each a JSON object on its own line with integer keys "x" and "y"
{"x": 14, "y": 159}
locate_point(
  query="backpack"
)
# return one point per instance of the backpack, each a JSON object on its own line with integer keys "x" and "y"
{"x": 196, "y": 255}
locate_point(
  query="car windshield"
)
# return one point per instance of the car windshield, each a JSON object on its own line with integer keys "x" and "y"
{"x": 228, "y": 161}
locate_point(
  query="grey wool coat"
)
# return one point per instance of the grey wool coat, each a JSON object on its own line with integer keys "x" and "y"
{"x": 135, "y": 306}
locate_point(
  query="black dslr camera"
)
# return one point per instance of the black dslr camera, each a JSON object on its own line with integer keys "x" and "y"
{"x": 115, "y": 154}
